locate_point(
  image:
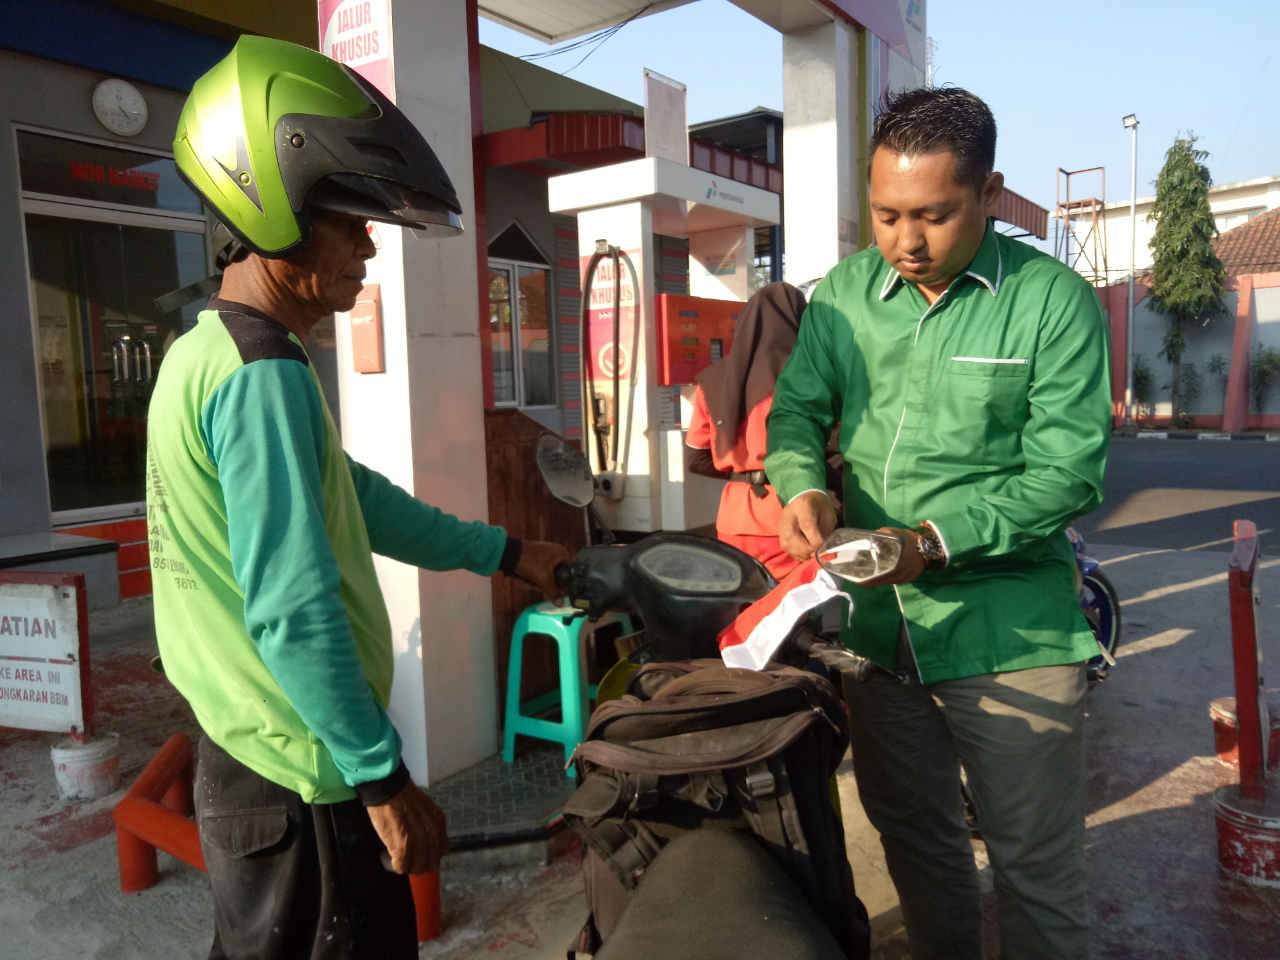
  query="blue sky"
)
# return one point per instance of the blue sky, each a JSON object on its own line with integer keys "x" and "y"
{"x": 1059, "y": 77}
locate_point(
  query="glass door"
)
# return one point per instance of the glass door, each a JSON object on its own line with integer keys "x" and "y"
{"x": 100, "y": 343}
{"x": 109, "y": 229}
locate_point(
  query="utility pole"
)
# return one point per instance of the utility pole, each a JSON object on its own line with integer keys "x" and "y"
{"x": 930, "y": 45}
{"x": 1131, "y": 121}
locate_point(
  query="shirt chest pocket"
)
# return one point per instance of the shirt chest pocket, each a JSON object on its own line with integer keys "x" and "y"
{"x": 988, "y": 389}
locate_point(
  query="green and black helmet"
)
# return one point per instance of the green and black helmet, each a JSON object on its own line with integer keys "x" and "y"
{"x": 276, "y": 130}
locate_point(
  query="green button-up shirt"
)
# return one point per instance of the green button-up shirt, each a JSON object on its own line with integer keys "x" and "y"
{"x": 988, "y": 414}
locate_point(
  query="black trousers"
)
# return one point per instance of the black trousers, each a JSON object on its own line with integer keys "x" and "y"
{"x": 292, "y": 880}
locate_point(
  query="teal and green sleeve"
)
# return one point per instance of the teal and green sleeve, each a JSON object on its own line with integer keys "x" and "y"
{"x": 265, "y": 432}
{"x": 406, "y": 529}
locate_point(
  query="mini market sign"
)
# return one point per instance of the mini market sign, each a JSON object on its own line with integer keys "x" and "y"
{"x": 44, "y": 653}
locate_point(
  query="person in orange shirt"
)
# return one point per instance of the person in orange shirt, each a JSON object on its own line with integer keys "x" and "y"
{"x": 728, "y": 430}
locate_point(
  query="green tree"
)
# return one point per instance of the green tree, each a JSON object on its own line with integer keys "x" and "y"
{"x": 1220, "y": 367}
{"x": 1187, "y": 285}
{"x": 1264, "y": 371}
{"x": 1144, "y": 387}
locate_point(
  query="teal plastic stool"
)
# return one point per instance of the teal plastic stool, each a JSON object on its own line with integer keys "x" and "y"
{"x": 564, "y": 626}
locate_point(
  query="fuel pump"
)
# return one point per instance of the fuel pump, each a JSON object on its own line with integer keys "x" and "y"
{"x": 640, "y": 349}
{"x": 604, "y": 423}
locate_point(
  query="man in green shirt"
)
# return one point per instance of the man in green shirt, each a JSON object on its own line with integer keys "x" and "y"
{"x": 968, "y": 375}
{"x": 269, "y": 617}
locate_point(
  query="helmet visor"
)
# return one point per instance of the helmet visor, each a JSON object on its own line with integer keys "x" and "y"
{"x": 387, "y": 202}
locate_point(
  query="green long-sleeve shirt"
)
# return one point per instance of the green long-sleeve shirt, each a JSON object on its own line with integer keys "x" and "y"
{"x": 988, "y": 414}
{"x": 269, "y": 616}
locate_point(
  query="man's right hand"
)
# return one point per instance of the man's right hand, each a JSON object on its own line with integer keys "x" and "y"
{"x": 412, "y": 829}
{"x": 806, "y": 521}
{"x": 538, "y": 562}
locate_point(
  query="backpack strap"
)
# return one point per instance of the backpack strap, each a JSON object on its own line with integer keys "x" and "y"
{"x": 586, "y": 942}
{"x": 626, "y": 846}
{"x": 758, "y": 791}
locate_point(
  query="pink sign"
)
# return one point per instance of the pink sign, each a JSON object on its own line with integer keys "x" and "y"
{"x": 602, "y": 359}
{"x": 358, "y": 34}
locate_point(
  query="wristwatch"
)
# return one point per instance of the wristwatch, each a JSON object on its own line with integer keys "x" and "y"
{"x": 930, "y": 546}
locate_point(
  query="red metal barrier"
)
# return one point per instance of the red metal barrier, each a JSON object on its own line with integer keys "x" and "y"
{"x": 156, "y": 815}
{"x": 426, "y": 904}
{"x": 1248, "y": 820}
{"x": 1251, "y": 693}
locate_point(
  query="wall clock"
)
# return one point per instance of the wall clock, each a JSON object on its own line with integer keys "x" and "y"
{"x": 119, "y": 107}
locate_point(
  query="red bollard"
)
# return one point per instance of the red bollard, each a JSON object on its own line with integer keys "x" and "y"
{"x": 137, "y": 860}
{"x": 426, "y": 904}
{"x": 154, "y": 814}
{"x": 1248, "y": 820}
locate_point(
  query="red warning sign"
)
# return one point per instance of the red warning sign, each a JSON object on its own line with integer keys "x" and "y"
{"x": 603, "y": 357}
{"x": 44, "y": 652}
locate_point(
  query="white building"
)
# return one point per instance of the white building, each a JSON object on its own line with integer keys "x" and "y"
{"x": 1232, "y": 204}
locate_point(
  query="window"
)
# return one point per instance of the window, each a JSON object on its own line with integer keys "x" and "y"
{"x": 520, "y": 323}
{"x": 1227, "y": 221}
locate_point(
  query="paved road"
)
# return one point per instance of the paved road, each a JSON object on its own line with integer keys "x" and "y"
{"x": 1184, "y": 494}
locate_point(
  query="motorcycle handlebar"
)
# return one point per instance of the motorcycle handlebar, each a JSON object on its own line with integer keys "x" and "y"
{"x": 562, "y": 575}
{"x": 843, "y": 659}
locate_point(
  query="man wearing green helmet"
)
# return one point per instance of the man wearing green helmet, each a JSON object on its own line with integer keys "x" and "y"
{"x": 269, "y": 616}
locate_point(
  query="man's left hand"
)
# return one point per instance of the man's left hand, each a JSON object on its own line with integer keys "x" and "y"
{"x": 910, "y": 564}
{"x": 538, "y": 562}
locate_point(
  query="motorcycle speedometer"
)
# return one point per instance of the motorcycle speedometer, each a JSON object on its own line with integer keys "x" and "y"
{"x": 690, "y": 569}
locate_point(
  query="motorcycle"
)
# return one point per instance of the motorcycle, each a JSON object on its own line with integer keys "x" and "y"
{"x": 711, "y": 892}
{"x": 1101, "y": 606}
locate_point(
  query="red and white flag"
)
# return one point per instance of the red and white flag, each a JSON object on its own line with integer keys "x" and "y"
{"x": 753, "y": 638}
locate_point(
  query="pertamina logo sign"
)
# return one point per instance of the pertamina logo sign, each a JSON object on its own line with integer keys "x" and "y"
{"x": 715, "y": 191}
{"x": 911, "y": 15}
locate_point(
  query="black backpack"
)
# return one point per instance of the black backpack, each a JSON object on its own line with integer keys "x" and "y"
{"x": 696, "y": 745}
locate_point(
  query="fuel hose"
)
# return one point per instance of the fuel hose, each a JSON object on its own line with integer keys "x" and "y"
{"x": 611, "y": 444}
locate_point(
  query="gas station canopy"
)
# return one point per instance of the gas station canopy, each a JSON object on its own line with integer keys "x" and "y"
{"x": 556, "y": 20}
{"x": 899, "y": 25}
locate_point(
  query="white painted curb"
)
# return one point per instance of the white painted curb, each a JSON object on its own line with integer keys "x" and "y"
{"x": 1164, "y": 435}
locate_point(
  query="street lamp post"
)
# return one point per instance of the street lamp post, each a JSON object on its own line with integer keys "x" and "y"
{"x": 1131, "y": 121}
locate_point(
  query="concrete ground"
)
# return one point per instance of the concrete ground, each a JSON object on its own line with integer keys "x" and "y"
{"x": 1185, "y": 493}
{"x": 1155, "y": 887}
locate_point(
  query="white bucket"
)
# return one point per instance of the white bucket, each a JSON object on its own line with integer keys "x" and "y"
{"x": 87, "y": 770}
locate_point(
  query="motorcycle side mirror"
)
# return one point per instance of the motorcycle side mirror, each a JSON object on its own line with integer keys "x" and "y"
{"x": 567, "y": 474}
{"x": 859, "y": 555}
{"x": 565, "y": 471}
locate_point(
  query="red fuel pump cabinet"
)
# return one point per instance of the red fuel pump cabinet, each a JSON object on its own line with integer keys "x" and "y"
{"x": 693, "y": 333}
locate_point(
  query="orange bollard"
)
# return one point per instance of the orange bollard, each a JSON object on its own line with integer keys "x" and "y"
{"x": 180, "y": 797}
{"x": 154, "y": 814}
{"x": 426, "y": 904}
{"x": 137, "y": 860}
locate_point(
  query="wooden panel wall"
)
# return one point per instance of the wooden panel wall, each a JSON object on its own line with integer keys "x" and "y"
{"x": 520, "y": 502}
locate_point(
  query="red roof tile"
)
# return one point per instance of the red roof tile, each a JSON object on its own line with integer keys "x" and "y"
{"x": 1252, "y": 247}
